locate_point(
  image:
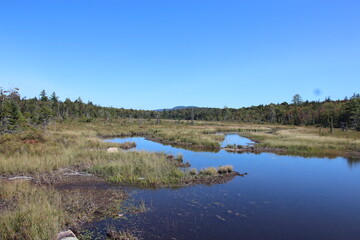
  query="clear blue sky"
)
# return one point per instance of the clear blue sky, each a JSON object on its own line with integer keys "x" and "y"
{"x": 159, "y": 54}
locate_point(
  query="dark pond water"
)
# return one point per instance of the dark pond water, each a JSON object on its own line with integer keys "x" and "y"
{"x": 282, "y": 197}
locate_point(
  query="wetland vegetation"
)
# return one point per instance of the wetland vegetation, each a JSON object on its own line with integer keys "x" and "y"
{"x": 55, "y": 145}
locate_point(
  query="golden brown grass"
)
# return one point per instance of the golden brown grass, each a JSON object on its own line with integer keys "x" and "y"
{"x": 140, "y": 168}
{"x": 308, "y": 141}
{"x": 209, "y": 171}
{"x": 32, "y": 212}
{"x": 225, "y": 169}
{"x": 72, "y": 143}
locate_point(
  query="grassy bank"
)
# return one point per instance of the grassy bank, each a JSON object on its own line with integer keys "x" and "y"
{"x": 295, "y": 140}
{"x": 308, "y": 141}
{"x": 77, "y": 144}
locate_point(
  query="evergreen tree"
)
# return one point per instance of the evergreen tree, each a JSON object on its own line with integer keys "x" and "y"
{"x": 43, "y": 96}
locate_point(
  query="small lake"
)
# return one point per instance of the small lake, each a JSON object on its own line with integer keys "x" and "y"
{"x": 282, "y": 197}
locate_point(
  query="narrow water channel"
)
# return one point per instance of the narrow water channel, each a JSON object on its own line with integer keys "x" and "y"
{"x": 282, "y": 197}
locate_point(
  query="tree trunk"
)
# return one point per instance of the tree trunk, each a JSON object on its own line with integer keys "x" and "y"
{"x": 331, "y": 125}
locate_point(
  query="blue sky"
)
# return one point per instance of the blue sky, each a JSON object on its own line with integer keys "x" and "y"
{"x": 159, "y": 54}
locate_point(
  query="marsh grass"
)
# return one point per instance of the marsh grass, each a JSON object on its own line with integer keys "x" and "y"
{"x": 39, "y": 212}
{"x": 200, "y": 135}
{"x": 225, "y": 169}
{"x": 115, "y": 234}
{"x": 179, "y": 157}
{"x": 193, "y": 171}
{"x": 140, "y": 168}
{"x": 33, "y": 212}
{"x": 212, "y": 171}
{"x": 209, "y": 171}
{"x": 190, "y": 137}
{"x": 307, "y": 141}
{"x": 75, "y": 144}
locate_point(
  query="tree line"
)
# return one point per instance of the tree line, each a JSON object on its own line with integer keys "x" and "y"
{"x": 343, "y": 114}
{"x": 17, "y": 113}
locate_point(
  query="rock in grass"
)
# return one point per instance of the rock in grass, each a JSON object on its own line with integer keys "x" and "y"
{"x": 21, "y": 178}
{"x": 66, "y": 235}
{"x": 112, "y": 149}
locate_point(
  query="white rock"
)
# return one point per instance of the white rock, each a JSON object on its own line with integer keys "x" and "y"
{"x": 21, "y": 178}
{"x": 66, "y": 235}
{"x": 112, "y": 149}
{"x": 77, "y": 174}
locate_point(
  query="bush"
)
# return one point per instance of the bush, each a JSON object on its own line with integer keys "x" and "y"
{"x": 225, "y": 169}
{"x": 179, "y": 157}
{"x": 231, "y": 146}
{"x": 209, "y": 171}
{"x": 193, "y": 171}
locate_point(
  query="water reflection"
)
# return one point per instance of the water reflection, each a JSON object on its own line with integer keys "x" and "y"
{"x": 233, "y": 138}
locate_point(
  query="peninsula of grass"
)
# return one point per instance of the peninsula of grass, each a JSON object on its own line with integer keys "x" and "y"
{"x": 139, "y": 168}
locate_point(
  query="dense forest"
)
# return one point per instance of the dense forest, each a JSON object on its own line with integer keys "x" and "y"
{"x": 334, "y": 114}
{"x": 17, "y": 113}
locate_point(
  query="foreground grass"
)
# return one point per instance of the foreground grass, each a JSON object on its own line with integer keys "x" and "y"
{"x": 35, "y": 213}
{"x": 30, "y": 211}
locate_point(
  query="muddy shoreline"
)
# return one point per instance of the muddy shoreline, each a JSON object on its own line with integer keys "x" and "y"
{"x": 211, "y": 180}
{"x": 89, "y": 198}
{"x": 252, "y": 149}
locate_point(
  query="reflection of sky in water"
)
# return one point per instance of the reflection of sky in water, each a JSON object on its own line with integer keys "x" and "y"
{"x": 236, "y": 139}
{"x": 282, "y": 197}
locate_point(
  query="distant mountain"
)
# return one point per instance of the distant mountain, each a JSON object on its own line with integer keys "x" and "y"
{"x": 175, "y": 108}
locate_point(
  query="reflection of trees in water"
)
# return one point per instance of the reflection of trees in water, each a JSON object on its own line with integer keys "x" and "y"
{"x": 353, "y": 162}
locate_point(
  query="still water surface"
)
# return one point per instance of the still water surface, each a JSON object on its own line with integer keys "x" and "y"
{"x": 282, "y": 197}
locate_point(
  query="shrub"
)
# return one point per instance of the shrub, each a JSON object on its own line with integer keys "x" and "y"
{"x": 209, "y": 171}
{"x": 225, "y": 169}
{"x": 127, "y": 145}
{"x": 231, "y": 146}
{"x": 179, "y": 157}
{"x": 193, "y": 171}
